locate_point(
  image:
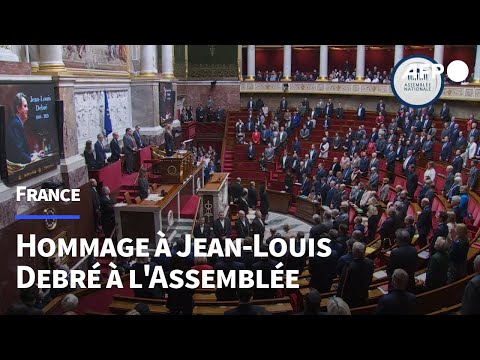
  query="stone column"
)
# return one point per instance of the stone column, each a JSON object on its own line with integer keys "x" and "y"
{"x": 398, "y": 54}
{"x": 438, "y": 53}
{"x": 360, "y": 65}
{"x": 6, "y": 53}
{"x": 250, "y": 63}
{"x": 51, "y": 59}
{"x": 34, "y": 53}
{"x": 323, "y": 74}
{"x": 476, "y": 71}
{"x": 167, "y": 62}
{"x": 147, "y": 61}
{"x": 72, "y": 164}
{"x": 287, "y": 63}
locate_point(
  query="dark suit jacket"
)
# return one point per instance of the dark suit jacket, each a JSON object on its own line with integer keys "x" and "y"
{"x": 404, "y": 257}
{"x": 138, "y": 139}
{"x": 471, "y": 297}
{"x": 106, "y": 206}
{"x": 446, "y": 150}
{"x": 142, "y": 188}
{"x": 355, "y": 281}
{"x": 457, "y": 164}
{"x": 115, "y": 149}
{"x": 127, "y": 144}
{"x": 169, "y": 143}
{"x": 100, "y": 154}
{"x": 251, "y": 152}
{"x": 197, "y": 233}
{"x": 247, "y": 309}
{"x": 284, "y": 105}
{"x": 219, "y": 230}
{"x": 17, "y": 149}
{"x": 252, "y": 197}
{"x": 322, "y": 271}
{"x": 95, "y": 199}
{"x": 235, "y": 190}
{"x": 289, "y": 183}
{"x": 440, "y": 230}
{"x": 362, "y": 114}
{"x": 397, "y": 302}
{"x": 243, "y": 230}
{"x": 412, "y": 182}
{"x": 424, "y": 221}
{"x": 258, "y": 228}
{"x": 264, "y": 203}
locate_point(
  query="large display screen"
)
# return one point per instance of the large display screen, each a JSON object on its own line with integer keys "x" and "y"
{"x": 30, "y": 135}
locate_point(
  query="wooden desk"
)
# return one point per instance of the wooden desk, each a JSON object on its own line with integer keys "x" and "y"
{"x": 174, "y": 169}
{"x": 306, "y": 208}
{"x": 279, "y": 200}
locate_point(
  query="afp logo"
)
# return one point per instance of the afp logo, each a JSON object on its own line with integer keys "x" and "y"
{"x": 418, "y": 81}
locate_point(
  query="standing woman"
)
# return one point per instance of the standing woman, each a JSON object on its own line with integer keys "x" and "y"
{"x": 264, "y": 203}
{"x": 143, "y": 188}
{"x": 88, "y": 154}
{"x": 169, "y": 140}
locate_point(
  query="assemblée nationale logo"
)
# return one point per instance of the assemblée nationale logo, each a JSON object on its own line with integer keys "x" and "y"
{"x": 417, "y": 81}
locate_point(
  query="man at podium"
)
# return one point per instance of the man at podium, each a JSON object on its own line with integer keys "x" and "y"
{"x": 169, "y": 140}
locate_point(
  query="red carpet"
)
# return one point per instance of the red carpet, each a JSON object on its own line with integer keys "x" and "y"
{"x": 190, "y": 208}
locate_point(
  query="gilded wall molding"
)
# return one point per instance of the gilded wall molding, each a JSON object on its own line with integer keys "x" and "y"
{"x": 467, "y": 92}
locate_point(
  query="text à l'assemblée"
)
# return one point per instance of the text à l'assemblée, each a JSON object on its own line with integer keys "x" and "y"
{"x": 139, "y": 247}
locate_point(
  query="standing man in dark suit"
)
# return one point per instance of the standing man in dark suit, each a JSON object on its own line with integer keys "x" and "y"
{"x": 200, "y": 113}
{"x": 114, "y": 148}
{"x": 391, "y": 165}
{"x": 446, "y": 149}
{"x": 100, "y": 153}
{"x": 108, "y": 215}
{"x": 360, "y": 113}
{"x": 448, "y": 180}
{"x": 243, "y": 202}
{"x": 289, "y": 182}
{"x": 137, "y": 137}
{"x": 398, "y": 301}
{"x": 306, "y": 105}
{"x": 329, "y": 108}
{"x": 403, "y": 257}
{"x": 201, "y": 230}
{"x": 445, "y": 113}
{"x": 356, "y": 278}
{"x": 258, "y": 226}
{"x": 252, "y": 196}
{"x": 284, "y": 104}
{"x": 95, "y": 203}
{"x": 235, "y": 190}
{"x": 440, "y": 231}
{"x": 424, "y": 222}
{"x": 412, "y": 181}
{"x": 473, "y": 176}
{"x": 128, "y": 149}
{"x": 457, "y": 162}
{"x": 339, "y": 111}
{"x": 285, "y": 161}
{"x": 222, "y": 228}
{"x": 250, "y": 104}
{"x": 250, "y": 151}
{"x": 243, "y": 226}
{"x": 430, "y": 111}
